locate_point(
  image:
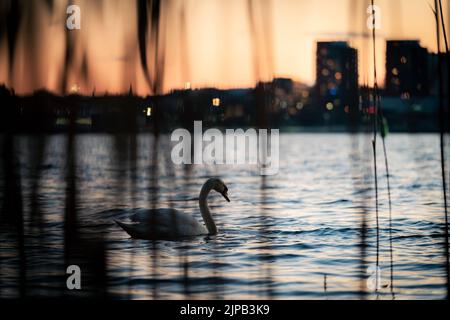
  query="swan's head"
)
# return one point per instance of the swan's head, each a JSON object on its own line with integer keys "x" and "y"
{"x": 219, "y": 186}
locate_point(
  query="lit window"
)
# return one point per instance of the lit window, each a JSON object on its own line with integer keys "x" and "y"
{"x": 74, "y": 88}
{"x": 149, "y": 111}
{"x": 405, "y": 95}
{"x": 216, "y": 102}
{"x": 333, "y": 90}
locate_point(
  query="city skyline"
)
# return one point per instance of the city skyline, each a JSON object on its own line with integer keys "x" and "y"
{"x": 286, "y": 33}
{"x": 409, "y": 69}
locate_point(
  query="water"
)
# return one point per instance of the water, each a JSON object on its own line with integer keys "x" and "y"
{"x": 295, "y": 235}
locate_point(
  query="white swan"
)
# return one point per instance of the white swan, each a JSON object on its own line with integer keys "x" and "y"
{"x": 164, "y": 223}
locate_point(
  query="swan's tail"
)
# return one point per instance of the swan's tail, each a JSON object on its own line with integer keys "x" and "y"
{"x": 136, "y": 230}
{"x": 128, "y": 228}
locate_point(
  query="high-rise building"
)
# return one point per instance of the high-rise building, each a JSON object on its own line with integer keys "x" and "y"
{"x": 406, "y": 69}
{"x": 286, "y": 84}
{"x": 433, "y": 73}
{"x": 337, "y": 77}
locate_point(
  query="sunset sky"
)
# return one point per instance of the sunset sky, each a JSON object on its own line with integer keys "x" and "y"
{"x": 214, "y": 45}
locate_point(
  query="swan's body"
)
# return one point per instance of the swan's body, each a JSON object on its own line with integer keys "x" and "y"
{"x": 162, "y": 224}
{"x": 165, "y": 223}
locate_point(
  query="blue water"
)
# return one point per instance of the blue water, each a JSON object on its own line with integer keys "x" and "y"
{"x": 294, "y": 235}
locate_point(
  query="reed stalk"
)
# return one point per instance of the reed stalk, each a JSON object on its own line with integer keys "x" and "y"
{"x": 438, "y": 12}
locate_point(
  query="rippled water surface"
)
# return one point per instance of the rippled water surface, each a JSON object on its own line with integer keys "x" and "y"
{"x": 294, "y": 235}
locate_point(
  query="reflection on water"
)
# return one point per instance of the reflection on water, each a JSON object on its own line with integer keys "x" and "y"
{"x": 293, "y": 235}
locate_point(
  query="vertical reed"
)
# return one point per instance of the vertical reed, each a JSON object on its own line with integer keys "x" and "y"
{"x": 379, "y": 120}
{"x": 374, "y": 140}
{"x": 437, "y": 9}
{"x": 261, "y": 44}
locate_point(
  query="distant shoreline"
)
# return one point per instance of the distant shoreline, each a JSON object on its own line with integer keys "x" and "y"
{"x": 44, "y": 112}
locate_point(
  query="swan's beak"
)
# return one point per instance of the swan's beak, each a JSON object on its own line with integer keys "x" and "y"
{"x": 225, "y": 195}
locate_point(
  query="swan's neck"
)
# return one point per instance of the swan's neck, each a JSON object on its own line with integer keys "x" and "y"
{"x": 204, "y": 209}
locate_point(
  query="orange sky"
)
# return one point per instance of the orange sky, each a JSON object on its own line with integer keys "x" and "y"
{"x": 213, "y": 47}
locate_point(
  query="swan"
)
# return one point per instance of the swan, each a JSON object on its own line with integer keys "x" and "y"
{"x": 166, "y": 223}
